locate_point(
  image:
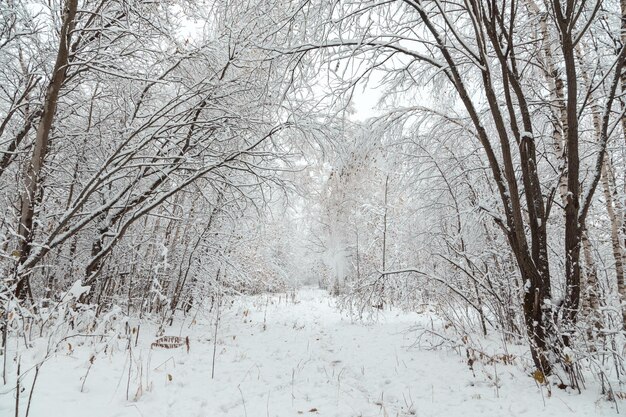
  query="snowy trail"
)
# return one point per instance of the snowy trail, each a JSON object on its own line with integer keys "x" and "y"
{"x": 307, "y": 360}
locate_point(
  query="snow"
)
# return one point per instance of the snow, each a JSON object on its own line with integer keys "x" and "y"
{"x": 280, "y": 356}
{"x": 77, "y": 290}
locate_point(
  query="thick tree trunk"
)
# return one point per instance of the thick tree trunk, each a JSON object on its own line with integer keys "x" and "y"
{"x": 591, "y": 304}
{"x": 573, "y": 228}
{"x": 534, "y": 317}
{"x": 32, "y": 190}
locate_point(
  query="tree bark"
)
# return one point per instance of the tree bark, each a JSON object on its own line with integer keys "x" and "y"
{"x": 32, "y": 191}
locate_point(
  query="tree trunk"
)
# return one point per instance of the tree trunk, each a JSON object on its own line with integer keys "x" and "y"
{"x": 32, "y": 191}
{"x": 613, "y": 205}
{"x": 621, "y": 285}
{"x": 573, "y": 228}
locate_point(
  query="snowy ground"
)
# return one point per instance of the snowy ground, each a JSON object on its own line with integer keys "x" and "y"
{"x": 308, "y": 359}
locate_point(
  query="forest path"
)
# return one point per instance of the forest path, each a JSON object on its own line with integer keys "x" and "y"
{"x": 285, "y": 357}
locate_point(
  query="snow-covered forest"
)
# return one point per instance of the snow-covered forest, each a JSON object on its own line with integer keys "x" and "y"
{"x": 312, "y": 207}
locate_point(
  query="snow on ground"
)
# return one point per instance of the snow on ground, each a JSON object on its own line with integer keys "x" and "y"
{"x": 307, "y": 359}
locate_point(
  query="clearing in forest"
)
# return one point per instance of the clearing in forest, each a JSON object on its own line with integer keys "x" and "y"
{"x": 280, "y": 355}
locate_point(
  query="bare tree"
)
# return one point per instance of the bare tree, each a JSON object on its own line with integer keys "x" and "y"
{"x": 484, "y": 43}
